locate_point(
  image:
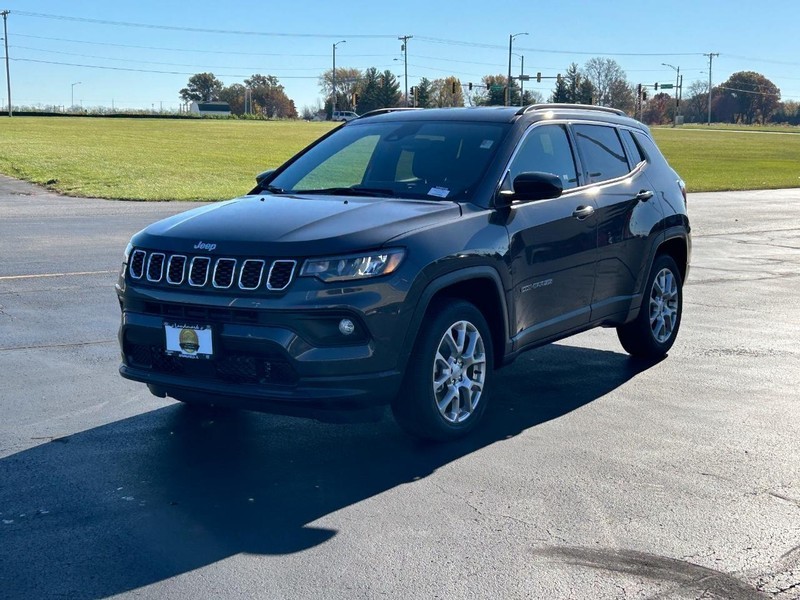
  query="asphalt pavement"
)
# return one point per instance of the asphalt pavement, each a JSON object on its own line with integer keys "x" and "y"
{"x": 593, "y": 477}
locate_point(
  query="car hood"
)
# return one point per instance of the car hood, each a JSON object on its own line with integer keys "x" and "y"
{"x": 293, "y": 225}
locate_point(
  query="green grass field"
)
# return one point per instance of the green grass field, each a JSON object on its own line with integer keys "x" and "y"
{"x": 732, "y": 160}
{"x": 148, "y": 159}
{"x": 144, "y": 159}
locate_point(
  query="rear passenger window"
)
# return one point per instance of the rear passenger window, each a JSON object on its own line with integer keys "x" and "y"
{"x": 546, "y": 148}
{"x": 601, "y": 151}
{"x": 632, "y": 147}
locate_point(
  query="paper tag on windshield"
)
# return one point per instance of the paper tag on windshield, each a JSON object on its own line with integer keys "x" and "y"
{"x": 439, "y": 192}
{"x": 486, "y": 144}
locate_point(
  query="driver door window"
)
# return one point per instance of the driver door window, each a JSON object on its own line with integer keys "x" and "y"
{"x": 546, "y": 148}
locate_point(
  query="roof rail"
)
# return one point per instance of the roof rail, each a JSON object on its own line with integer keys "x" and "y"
{"x": 552, "y": 106}
{"x": 383, "y": 111}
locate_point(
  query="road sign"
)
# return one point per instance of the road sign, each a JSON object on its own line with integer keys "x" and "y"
{"x": 667, "y": 86}
{"x": 498, "y": 88}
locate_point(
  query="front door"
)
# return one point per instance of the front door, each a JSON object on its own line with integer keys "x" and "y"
{"x": 553, "y": 242}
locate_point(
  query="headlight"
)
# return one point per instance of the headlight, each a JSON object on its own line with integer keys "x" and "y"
{"x": 359, "y": 266}
{"x": 127, "y": 255}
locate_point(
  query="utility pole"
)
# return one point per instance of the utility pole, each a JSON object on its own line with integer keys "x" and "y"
{"x": 710, "y": 56}
{"x": 404, "y": 48}
{"x": 333, "y": 102}
{"x": 8, "y": 70}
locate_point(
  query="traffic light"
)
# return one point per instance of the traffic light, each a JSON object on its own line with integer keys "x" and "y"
{"x": 539, "y": 77}
{"x": 469, "y": 86}
{"x": 644, "y": 96}
{"x": 454, "y": 87}
{"x": 558, "y": 78}
{"x": 639, "y": 90}
{"x": 413, "y": 91}
{"x": 655, "y": 87}
{"x": 355, "y": 99}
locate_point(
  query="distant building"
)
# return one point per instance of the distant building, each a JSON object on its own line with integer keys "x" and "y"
{"x": 211, "y": 108}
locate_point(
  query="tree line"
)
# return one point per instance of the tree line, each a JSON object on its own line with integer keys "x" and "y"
{"x": 259, "y": 95}
{"x": 746, "y": 97}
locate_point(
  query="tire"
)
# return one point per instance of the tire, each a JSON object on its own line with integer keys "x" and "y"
{"x": 447, "y": 382}
{"x": 652, "y": 333}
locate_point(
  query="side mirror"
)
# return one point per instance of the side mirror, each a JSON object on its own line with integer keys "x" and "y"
{"x": 260, "y": 178}
{"x": 263, "y": 175}
{"x": 530, "y": 186}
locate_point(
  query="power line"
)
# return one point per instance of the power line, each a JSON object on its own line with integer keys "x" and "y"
{"x": 192, "y": 50}
{"x": 730, "y": 89}
{"x": 150, "y": 62}
{"x": 766, "y": 60}
{"x": 337, "y": 35}
{"x": 129, "y": 69}
{"x": 199, "y": 29}
{"x": 549, "y": 51}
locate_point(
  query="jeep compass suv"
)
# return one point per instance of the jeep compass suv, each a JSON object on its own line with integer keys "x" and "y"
{"x": 405, "y": 256}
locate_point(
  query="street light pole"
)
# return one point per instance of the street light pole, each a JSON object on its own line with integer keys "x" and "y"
{"x": 677, "y": 89}
{"x": 8, "y": 70}
{"x": 333, "y": 102}
{"x": 508, "y": 82}
{"x": 72, "y": 95}
{"x": 521, "y": 80}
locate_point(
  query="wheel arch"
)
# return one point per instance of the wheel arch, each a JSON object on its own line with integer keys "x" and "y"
{"x": 481, "y": 286}
{"x": 677, "y": 247}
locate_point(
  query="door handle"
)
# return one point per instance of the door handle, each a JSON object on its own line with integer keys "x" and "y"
{"x": 644, "y": 195}
{"x": 582, "y": 212}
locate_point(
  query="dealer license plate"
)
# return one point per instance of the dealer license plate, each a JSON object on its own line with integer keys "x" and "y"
{"x": 189, "y": 340}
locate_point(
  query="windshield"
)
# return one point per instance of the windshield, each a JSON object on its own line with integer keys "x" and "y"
{"x": 431, "y": 160}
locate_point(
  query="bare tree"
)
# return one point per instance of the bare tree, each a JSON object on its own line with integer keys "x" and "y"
{"x": 609, "y": 81}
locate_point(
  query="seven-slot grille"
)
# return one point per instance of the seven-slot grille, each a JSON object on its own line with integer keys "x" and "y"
{"x": 202, "y": 271}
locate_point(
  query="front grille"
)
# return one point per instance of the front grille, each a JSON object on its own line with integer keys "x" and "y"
{"x": 223, "y": 273}
{"x": 174, "y": 270}
{"x": 155, "y": 267}
{"x": 198, "y": 272}
{"x": 230, "y": 367}
{"x": 137, "y": 263}
{"x": 250, "y": 276}
{"x": 280, "y": 274}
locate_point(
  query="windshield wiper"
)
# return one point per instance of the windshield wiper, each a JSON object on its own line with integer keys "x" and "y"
{"x": 273, "y": 189}
{"x": 349, "y": 191}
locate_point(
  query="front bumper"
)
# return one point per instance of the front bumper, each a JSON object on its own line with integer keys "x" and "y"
{"x": 286, "y": 359}
{"x": 269, "y": 369}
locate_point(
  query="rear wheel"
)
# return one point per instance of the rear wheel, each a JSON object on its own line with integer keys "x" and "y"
{"x": 444, "y": 394}
{"x": 653, "y": 332}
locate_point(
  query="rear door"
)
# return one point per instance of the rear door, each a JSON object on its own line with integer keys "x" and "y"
{"x": 625, "y": 213}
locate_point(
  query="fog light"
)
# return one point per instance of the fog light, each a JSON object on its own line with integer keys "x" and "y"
{"x": 346, "y": 327}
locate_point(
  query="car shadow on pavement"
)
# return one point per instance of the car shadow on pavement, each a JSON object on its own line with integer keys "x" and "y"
{"x": 142, "y": 500}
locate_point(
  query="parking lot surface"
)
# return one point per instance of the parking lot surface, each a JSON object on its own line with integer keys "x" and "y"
{"x": 593, "y": 477}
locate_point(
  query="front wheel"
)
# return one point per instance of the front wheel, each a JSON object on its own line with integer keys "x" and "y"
{"x": 653, "y": 332}
{"x": 444, "y": 393}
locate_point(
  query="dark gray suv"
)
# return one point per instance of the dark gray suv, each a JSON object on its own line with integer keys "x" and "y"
{"x": 403, "y": 258}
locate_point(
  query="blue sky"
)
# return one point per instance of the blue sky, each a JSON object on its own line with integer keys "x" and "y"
{"x": 293, "y": 42}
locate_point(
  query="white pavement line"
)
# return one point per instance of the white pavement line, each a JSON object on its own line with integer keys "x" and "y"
{"x": 66, "y": 345}
{"x": 42, "y": 275}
